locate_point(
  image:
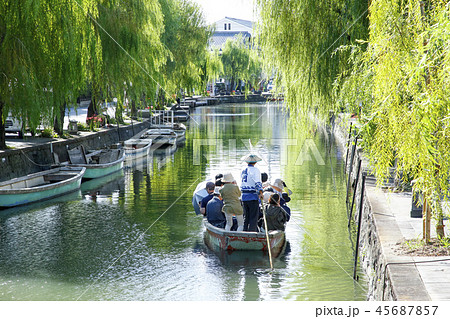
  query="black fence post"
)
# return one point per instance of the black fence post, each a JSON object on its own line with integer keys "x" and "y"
{"x": 361, "y": 205}
{"x": 354, "y": 193}
{"x": 352, "y": 157}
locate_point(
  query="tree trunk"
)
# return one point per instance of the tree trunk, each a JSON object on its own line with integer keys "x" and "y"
{"x": 2, "y": 129}
{"x": 92, "y": 108}
{"x": 133, "y": 109}
{"x": 426, "y": 213}
{"x": 58, "y": 126}
{"x": 440, "y": 227}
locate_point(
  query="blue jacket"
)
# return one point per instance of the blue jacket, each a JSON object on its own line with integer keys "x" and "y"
{"x": 214, "y": 213}
{"x": 250, "y": 183}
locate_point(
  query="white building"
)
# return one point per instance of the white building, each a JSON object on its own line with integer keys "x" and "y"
{"x": 230, "y": 28}
{"x": 233, "y": 25}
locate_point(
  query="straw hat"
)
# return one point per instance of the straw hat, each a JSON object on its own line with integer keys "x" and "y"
{"x": 228, "y": 178}
{"x": 278, "y": 183}
{"x": 251, "y": 158}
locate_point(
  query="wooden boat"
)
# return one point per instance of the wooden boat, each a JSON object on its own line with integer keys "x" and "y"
{"x": 137, "y": 146}
{"x": 161, "y": 137}
{"x": 40, "y": 186}
{"x": 220, "y": 239}
{"x": 178, "y": 128}
{"x": 178, "y": 115}
{"x": 98, "y": 163}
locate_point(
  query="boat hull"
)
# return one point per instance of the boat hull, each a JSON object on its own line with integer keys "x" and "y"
{"x": 220, "y": 239}
{"x": 131, "y": 152}
{"x": 100, "y": 170}
{"x": 27, "y": 195}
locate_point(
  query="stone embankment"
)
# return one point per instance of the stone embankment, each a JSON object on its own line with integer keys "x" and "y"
{"x": 35, "y": 154}
{"x": 387, "y": 221}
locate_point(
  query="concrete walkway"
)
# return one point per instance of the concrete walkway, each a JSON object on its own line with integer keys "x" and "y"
{"x": 420, "y": 278}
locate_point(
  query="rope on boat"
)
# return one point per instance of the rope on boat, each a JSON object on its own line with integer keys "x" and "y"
{"x": 41, "y": 165}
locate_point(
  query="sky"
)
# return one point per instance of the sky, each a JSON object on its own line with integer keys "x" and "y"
{"x": 218, "y": 9}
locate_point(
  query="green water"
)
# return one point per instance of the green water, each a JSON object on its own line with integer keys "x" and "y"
{"x": 134, "y": 235}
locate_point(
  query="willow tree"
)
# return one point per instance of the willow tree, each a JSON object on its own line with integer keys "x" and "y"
{"x": 214, "y": 67}
{"x": 133, "y": 53}
{"x": 72, "y": 43}
{"x": 186, "y": 36}
{"x": 254, "y": 73}
{"x": 299, "y": 41}
{"x": 43, "y": 50}
{"x": 236, "y": 60}
{"x": 405, "y": 109}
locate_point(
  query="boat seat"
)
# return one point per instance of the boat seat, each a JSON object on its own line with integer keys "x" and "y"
{"x": 109, "y": 157}
{"x": 77, "y": 155}
{"x": 93, "y": 153}
{"x": 33, "y": 182}
{"x": 60, "y": 176}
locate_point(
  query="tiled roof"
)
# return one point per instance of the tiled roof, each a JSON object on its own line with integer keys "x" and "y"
{"x": 219, "y": 38}
{"x": 248, "y": 24}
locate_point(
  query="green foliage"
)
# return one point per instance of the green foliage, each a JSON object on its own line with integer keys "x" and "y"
{"x": 82, "y": 127}
{"x": 48, "y": 133}
{"x": 51, "y": 51}
{"x": 186, "y": 37}
{"x": 405, "y": 93}
{"x": 41, "y": 49}
{"x": 299, "y": 38}
{"x": 132, "y": 51}
{"x": 241, "y": 62}
{"x": 214, "y": 65}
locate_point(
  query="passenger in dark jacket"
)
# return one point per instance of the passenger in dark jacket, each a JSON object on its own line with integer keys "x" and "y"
{"x": 276, "y": 216}
{"x": 214, "y": 213}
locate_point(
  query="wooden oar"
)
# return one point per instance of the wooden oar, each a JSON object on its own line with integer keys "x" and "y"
{"x": 267, "y": 238}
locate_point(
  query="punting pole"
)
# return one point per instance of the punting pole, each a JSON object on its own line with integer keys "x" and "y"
{"x": 354, "y": 193}
{"x": 361, "y": 204}
{"x": 267, "y": 238}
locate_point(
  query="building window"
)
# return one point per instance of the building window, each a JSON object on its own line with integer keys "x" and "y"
{"x": 229, "y": 26}
{"x": 225, "y": 26}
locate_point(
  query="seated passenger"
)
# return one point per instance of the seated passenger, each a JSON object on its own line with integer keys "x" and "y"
{"x": 283, "y": 200}
{"x": 276, "y": 216}
{"x": 267, "y": 192}
{"x": 219, "y": 185}
{"x": 278, "y": 187}
{"x": 231, "y": 194}
{"x": 265, "y": 180}
{"x": 210, "y": 189}
{"x": 214, "y": 213}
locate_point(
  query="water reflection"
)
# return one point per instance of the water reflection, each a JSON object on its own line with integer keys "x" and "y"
{"x": 134, "y": 235}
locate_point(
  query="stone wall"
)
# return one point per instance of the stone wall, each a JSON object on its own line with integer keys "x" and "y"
{"x": 371, "y": 255}
{"x": 23, "y": 161}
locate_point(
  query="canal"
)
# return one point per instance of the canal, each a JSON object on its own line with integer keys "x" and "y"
{"x": 135, "y": 236}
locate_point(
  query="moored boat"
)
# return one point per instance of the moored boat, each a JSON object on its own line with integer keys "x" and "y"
{"x": 178, "y": 128}
{"x": 220, "y": 239}
{"x": 98, "y": 163}
{"x": 161, "y": 137}
{"x": 137, "y": 146}
{"x": 40, "y": 186}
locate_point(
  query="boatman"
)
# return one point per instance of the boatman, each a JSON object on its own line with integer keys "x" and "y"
{"x": 252, "y": 191}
